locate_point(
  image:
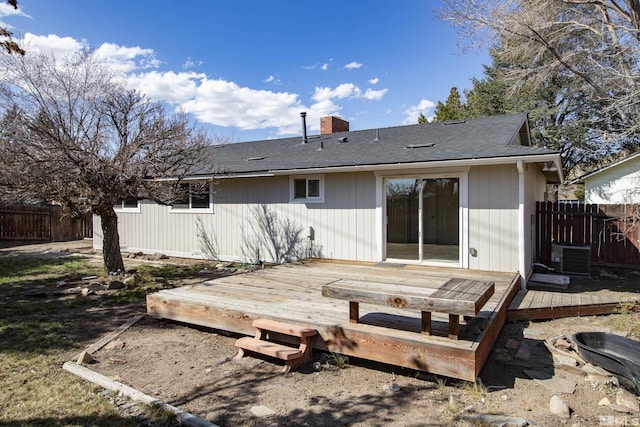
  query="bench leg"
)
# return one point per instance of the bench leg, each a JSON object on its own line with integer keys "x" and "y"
{"x": 425, "y": 326}
{"x": 354, "y": 312}
{"x": 240, "y": 354}
{"x": 454, "y": 326}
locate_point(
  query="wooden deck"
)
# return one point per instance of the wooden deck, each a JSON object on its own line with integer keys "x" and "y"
{"x": 544, "y": 305}
{"x": 292, "y": 293}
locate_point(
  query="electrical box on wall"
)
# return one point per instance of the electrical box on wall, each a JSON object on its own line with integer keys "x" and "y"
{"x": 571, "y": 259}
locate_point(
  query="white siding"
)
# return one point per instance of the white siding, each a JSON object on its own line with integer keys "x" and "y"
{"x": 535, "y": 187}
{"x": 344, "y": 225}
{"x": 493, "y": 218}
{"x": 618, "y": 184}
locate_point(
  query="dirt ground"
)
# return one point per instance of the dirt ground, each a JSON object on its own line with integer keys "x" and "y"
{"x": 194, "y": 369}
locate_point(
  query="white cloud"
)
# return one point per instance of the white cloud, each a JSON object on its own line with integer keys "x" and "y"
{"x": 353, "y": 65}
{"x": 7, "y": 10}
{"x": 127, "y": 59}
{"x": 325, "y": 67}
{"x": 190, "y": 63}
{"x": 309, "y": 67}
{"x": 272, "y": 79}
{"x": 121, "y": 58}
{"x": 374, "y": 95}
{"x": 52, "y": 44}
{"x": 345, "y": 90}
{"x": 373, "y": 81}
{"x": 174, "y": 88}
{"x": 413, "y": 112}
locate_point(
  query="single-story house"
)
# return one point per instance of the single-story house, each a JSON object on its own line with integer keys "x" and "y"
{"x": 459, "y": 194}
{"x": 616, "y": 183}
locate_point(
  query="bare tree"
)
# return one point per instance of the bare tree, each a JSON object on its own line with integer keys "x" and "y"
{"x": 591, "y": 46}
{"x": 73, "y": 135}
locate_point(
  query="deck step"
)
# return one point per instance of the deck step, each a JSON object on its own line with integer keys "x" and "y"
{"x": 291, "y": 355}
{"x": 283, "y": 328}
{"x": 269, "y": 348}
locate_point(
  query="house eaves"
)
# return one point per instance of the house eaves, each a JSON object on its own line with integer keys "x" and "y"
{"x": 602, "y": 169}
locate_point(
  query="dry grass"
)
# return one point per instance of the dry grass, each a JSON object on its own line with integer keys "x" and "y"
{"x": 40, "y": 329}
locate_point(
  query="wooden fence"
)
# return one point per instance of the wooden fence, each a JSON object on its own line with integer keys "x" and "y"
{"x": 612, "y": 231}
{"x": 42, "y": 223}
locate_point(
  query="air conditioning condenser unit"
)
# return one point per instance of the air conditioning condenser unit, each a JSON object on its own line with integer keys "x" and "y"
{"x": 571, "y": 259}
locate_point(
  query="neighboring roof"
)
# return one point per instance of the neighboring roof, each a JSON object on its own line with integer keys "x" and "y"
{"x": 481, "y": 138}
{"x": 604, "y": 168}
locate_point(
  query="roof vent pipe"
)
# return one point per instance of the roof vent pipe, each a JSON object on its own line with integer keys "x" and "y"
{"x": 377, "y": 135}
{"x": 304, "y": 126}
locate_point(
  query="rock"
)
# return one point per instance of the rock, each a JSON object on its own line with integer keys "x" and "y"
{"x": 562, "y": 344}
{"x": 261, "y": 411}
{"x": 89, "y": 277}
{"x": 115, "y": 284}
{"x": 73, "y": 291}
{"x": 496, "y": 420}
{"x": 604, "y": 402}
{"x": 132, "y": 281}
{"x": 561, "y": 359}
{"x": 559, "y": 408}
{"x": 317, "y": 366}
{"x": 393, "y": 387}
{"x": 87, "y": 292}
{"x": 504, "y": 397}
{"x": 95, "y": 286}
{"x": 627, "y": 399}
{"x": 85, "y": 357}
{"x": 116, "y": 344}
{"x": 596, "y": 380}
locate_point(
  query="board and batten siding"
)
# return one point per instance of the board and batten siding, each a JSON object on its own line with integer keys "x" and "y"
{"x": 493, "y": 218}
{"x": 343, "y": 226}
{"x": 619, "y": 184}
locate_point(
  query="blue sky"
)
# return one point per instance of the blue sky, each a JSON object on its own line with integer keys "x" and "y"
{"x": 246, "y": 69}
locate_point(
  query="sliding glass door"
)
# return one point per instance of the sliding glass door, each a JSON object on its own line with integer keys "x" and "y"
{"x": 423, "y": 219}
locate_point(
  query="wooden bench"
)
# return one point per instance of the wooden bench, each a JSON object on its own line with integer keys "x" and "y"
{"x": 291, "y": 355}
{"x": 456, "y": 297}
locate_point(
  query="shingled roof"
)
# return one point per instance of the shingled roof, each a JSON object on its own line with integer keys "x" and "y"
{"x": 480, "y": 138}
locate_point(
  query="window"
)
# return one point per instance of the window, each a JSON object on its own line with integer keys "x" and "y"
{"x": 128, "y": 205}
{"x": 194, "y": 196}
{"x": 307, "y": 189}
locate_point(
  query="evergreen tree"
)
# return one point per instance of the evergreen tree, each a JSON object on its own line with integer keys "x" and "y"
{"x": 452, "y": 109}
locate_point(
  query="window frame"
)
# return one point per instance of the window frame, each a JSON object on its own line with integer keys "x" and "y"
{"x": 190, "y": 208}
{"x": 122, "y": 208}
{"x": 307, "y": 198}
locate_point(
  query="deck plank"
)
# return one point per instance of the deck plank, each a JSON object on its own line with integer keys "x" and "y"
{"x": 293, "y": 294}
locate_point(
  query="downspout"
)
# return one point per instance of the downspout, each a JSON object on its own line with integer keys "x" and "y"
{"x": 521, "y": 226}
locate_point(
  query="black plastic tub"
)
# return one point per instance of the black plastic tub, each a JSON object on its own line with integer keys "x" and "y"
{"x": 616, "y": 354}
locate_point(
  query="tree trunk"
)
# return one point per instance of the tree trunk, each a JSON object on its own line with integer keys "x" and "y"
{"x": 111, "y": 241}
